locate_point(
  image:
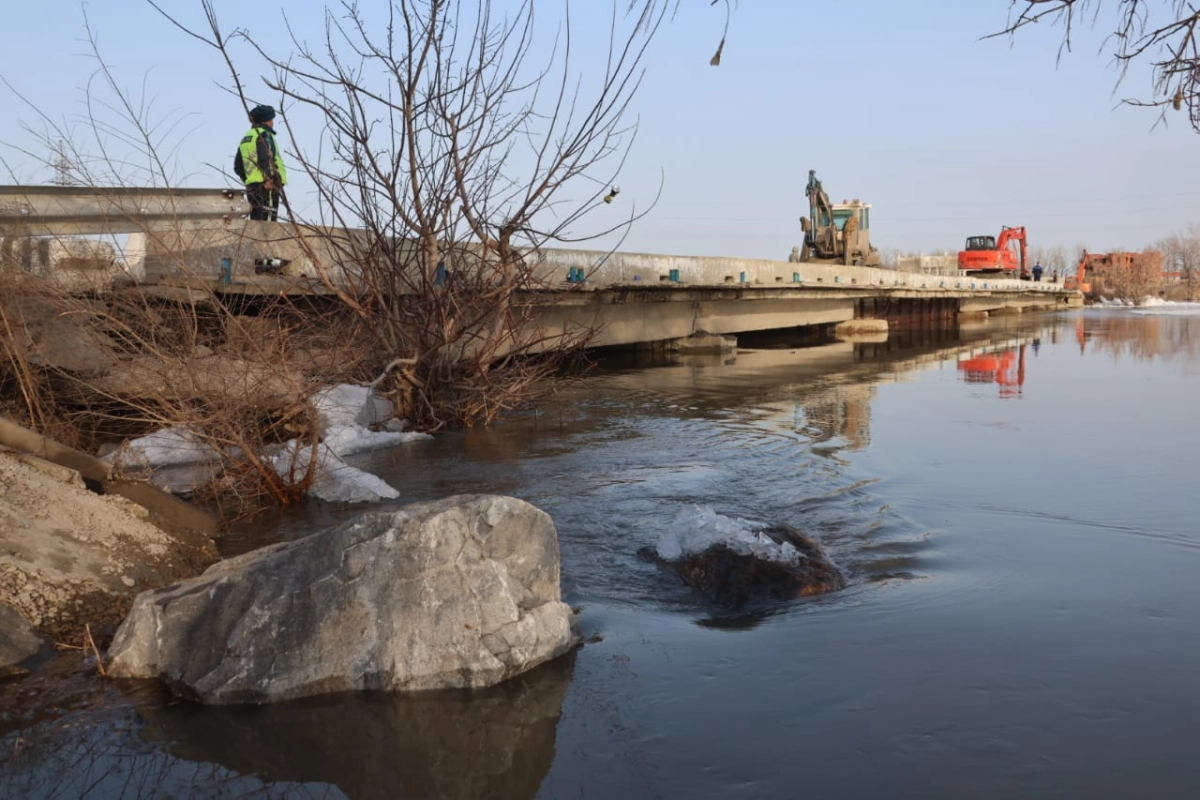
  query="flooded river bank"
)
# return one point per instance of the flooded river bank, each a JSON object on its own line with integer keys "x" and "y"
{"x": 1015, "y": 512}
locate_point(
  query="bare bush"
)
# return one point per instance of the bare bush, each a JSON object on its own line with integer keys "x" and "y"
{"x": 454, "y": 148}
{"x": 85, "y": 370}
{"x": 88, "y": 363}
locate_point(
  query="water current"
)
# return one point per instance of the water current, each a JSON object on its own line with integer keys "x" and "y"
{"x": 1014, "y": 505}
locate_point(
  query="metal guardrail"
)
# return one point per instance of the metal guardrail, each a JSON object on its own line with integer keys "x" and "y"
{"x": 86, "y": 210}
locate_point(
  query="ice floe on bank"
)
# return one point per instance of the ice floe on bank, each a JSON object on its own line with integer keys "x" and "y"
{"x": 334, "y": 481}
{"x": 165, "y": 448}
{"x": 1150, "y": 305}
{"x": 181, "y": 461}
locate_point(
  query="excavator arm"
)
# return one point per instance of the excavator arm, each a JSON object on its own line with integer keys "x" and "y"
{"x": 1017, "y": 235}
{"x": 1081, "y": 274}
{"x": 820, "y": 235}
{"x": 820, "y": 209}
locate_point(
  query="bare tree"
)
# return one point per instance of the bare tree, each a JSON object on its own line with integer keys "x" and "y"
{"x": 1181, "y": 255}
{"x": 455, "y": 147}
{"x": 653, "y": 6}
{"x": 1160, "y": 33}
{"x": 1053, "y": 259}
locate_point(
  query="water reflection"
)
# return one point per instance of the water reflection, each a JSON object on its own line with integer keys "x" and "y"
{"x": 1005, "y": 368}
{"x": 1141, "y": 334}
{"x": 139, "y": 742}
{"x": 497, "y": 743}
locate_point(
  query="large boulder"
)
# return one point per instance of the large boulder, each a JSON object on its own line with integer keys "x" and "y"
{"x": 462, "y": 592}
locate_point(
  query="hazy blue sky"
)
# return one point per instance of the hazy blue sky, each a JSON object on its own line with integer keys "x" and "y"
{"x": 899, "y": 104}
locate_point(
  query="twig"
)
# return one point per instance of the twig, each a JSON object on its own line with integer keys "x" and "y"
{"x": 90, "y": 642}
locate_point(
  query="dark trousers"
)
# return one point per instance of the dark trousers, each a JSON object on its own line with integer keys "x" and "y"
{"x": 264, "y": 205}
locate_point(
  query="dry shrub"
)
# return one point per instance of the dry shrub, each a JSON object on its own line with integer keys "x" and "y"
{"x": 87, "y": 370}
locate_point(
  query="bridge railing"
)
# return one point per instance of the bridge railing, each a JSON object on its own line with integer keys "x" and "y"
{"x": 86, "y": 210}
{"x": 202, "y": 233}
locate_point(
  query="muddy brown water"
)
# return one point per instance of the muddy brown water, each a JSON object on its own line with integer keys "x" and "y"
{"x": 1015, "y": 509}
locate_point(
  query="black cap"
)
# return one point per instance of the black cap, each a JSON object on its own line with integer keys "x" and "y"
{"x": 262, "y": 113}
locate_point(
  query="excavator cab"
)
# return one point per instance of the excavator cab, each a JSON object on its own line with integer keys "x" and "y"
{"x": 842, "y": 213}
{"x": 981, "y": 243}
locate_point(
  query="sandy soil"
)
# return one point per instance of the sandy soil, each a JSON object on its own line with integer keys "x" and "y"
{"x": 69, "y": 557}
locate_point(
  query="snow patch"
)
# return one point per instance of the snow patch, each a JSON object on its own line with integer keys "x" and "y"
{"x": 698, "y": 528}
{"x": 1158, "y": 306}
{"x": 1150, "y": 305}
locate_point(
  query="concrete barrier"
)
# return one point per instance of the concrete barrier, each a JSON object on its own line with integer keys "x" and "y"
{"x": 71, "y": 264}
{"x": 163, "y": 251}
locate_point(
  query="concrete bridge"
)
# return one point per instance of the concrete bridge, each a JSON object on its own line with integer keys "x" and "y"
{"x": 197, "y": 239}
{"x": 631, "y": 298}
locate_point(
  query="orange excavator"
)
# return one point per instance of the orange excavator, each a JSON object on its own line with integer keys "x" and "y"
{"x": 985, "y": 254}
{"x": 1082, "y": 280}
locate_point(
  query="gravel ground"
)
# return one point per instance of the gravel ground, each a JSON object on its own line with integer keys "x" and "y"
{"x": 70, "y": 557}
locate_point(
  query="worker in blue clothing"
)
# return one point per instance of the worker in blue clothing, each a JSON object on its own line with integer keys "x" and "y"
{"x": 1037, "y": 272}
{"x": 259, "y": 164}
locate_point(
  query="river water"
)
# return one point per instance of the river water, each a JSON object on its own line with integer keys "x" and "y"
{"x": 1015, "y": 508}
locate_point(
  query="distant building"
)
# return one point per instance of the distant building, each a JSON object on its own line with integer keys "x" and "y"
{"x": 1098, "y": 266}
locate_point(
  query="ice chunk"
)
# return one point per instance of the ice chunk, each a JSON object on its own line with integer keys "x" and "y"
{"x": 348, "y": 439}
{"x": 168, "y": 447}
{"x": 698, "y": 528}
{"x": 347, "y": 404}
{"x": 335, "y": 480}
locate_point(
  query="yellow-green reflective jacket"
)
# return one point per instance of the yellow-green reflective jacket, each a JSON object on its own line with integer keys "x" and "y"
{"x": 250, "y": 151}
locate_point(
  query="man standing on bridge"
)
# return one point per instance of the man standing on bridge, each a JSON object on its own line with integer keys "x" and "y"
{"x": 260, "y": 165}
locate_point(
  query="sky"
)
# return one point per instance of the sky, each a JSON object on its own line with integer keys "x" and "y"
{"x": 903, "y": 105}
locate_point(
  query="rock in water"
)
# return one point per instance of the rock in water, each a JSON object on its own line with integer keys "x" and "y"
{"x": 18, "y": 641}
{"x": 734, "y": 578}
{"x": 461, "y": 592}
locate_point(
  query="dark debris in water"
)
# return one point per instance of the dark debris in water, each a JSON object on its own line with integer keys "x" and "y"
{"x": 735, "y": 580}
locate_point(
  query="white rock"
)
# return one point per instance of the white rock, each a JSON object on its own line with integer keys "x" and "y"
{"x": 462, "y": 592}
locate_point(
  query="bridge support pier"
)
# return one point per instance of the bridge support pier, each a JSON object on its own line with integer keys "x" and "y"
{"x": 911, "y": 313}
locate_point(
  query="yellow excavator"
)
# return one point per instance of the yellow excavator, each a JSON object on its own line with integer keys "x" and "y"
{"x": 836, "y": 232}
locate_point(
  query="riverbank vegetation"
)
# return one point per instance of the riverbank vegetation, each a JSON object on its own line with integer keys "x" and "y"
{"x": 457, "y": 140}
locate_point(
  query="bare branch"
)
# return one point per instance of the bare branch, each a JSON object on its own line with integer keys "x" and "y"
{"x": 1160, "y": 34}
